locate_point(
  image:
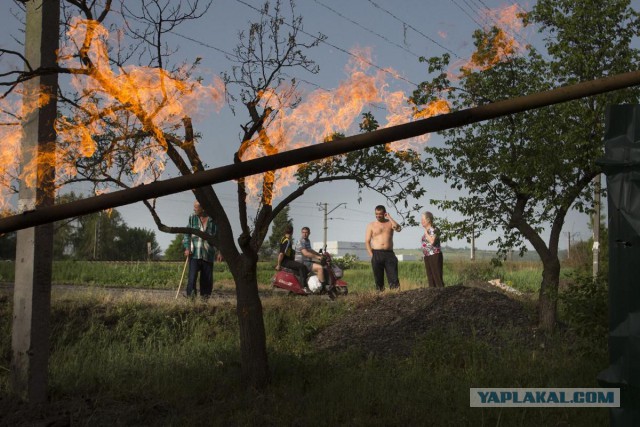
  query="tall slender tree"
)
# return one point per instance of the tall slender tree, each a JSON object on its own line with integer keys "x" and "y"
{"x": 175, "y": 250}
{"x": 277, "y": 228}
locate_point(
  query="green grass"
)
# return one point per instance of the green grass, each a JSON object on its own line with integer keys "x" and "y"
{"x": 152, "y": 275}
{"x": 522, "y": 275}
{"x": 142, "y": 362}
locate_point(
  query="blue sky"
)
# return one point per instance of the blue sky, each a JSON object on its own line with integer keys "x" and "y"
{"x": 397, "y": 32}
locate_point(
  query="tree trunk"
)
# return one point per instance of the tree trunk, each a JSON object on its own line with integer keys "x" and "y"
{"x": 548, "y": 299}
{"x": 253, "y": 344}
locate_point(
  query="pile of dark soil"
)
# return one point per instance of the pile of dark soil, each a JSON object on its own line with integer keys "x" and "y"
{"x": 391, "y": 322}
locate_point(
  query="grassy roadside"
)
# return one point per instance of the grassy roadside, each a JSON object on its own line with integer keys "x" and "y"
{"x": 523, "y": 275}
{"x": 139, "y": 361}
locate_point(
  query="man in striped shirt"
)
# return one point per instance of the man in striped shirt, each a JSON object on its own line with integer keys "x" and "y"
{"x": 200, "y": 252}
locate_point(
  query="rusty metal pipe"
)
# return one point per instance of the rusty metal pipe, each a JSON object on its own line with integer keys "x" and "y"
{"x": 318, "y": 151}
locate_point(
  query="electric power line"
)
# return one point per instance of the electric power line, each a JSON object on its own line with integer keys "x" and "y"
{"x": 478, "y": 12}
{"x": 488, "y": 18}
{"x": 467, "y": 13}
{"x": 191, "y": 39}
{"x": 359, "y": 58}
{"x": 484, "y": 4}
{"x": 367, "y": 29}
{"x": 231, "y": 55}
{"x": 413, "y": 28}
{"x": 203, "y": 44}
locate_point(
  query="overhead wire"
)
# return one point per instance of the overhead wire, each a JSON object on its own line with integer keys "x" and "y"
{"x": 478, "y": 12}
{"x": 413, "y": 28}
{"x": 191, "y": 39}
{"x": 367, "y": 29}
{"x": 201, "y": 43}
{"x": 324, "y": 41}
{"x": 490, "y": 20}
{"x": 484, "y": 4}
{"x": 232, "y": 55}
{"x": 467, "y": 13}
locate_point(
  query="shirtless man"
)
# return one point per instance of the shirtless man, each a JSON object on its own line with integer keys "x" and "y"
{"x": 379, "y": 243}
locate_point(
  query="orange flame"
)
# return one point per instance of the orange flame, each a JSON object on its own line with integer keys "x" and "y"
{"x": 114, "y": 103}
{"x": 507, "y": 17}
{"x": 504, "y": 45}
{"x": 323, "y": 113}
{"x": 10, "y": 137}
{"x": 13, "y": 110}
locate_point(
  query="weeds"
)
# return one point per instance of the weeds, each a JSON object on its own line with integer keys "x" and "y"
{"x": 585, "y": 304}
{"x": 132, "y": 361}
{"x": 524, "y": 276}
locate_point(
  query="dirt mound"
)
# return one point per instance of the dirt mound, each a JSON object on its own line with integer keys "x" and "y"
{"x": 391, "y": 322}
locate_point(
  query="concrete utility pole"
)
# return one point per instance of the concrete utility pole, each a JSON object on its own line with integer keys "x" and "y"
{"x": 473, "y": 242}
{"x": 323, "y": 206}
{"x": 571, "y": 239}
{"x": 34, "y": 248}
{"x": 97, "y": 235}
{"x": 568, "y": 245}
{"x": 596, "y": 224}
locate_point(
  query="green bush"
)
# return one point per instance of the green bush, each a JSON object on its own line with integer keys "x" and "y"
{"x": 346, "y": 262}
{"x": 586, "y": 304}
{"x": 475, "y": 271}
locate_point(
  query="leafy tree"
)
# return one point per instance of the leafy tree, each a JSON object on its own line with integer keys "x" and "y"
{"x": 8, "y": 246}
{"x": 137, "y": 244}
{"x": 106, "y": 236}
{"x": 65, "y": 231}
{"x": 99, "y": 236}
{"x": 523, "y": 173}
{"x": 277, "y": 228}
{"x": 175, "y": 250}
{"x": 138, "y": 117}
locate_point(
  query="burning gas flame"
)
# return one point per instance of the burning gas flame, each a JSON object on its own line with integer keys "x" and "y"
{"x": 13, "y": 111}
{"x": 114, "y": 104}
{"x": 507, "y": 17}
{"x": 118, "y": 101}
{"x": 323, "y": 113}
{"x": 10, "y": 136}
{"x": 499, "y": 47}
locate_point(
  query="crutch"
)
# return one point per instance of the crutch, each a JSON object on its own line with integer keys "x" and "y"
{"x": 186, "y": 261}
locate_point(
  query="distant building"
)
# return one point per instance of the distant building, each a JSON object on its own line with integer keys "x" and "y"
{"x": 340, "y": 249}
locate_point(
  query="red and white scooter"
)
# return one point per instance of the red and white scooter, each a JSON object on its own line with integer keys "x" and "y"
{"x": 287, "y": 280}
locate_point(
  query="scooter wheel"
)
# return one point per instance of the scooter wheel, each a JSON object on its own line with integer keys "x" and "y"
{"x": 342, "y": 290}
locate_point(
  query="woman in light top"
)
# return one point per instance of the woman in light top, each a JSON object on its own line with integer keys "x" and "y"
{"x": 432, "y": 251}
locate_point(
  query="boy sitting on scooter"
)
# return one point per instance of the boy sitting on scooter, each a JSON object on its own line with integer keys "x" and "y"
{"x": 286, "y": 259}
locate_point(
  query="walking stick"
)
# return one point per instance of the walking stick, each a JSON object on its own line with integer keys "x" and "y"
{"x": 186, "y": 261}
